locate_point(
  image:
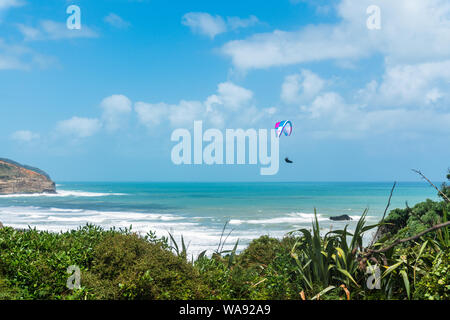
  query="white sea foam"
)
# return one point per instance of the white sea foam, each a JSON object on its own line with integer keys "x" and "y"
{"x": 290, "y": 218}
{"x": 76, "y": 193}
{"x": 63, "y": 193}
{"x": 65, "y": 210}
{"x": 201, "y": 233}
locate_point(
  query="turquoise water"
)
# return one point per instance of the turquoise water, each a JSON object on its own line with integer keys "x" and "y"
{"x": 198, "y": 211}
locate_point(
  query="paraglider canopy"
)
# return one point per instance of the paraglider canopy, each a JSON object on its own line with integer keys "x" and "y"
{"x": 283, "y": 126}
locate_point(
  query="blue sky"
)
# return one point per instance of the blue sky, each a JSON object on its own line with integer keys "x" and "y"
{"x": 100, "y": 103}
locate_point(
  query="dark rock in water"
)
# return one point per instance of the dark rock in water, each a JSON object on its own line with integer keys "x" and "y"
{"x": 344, "y": 217}
{"x": 16, "y": 178}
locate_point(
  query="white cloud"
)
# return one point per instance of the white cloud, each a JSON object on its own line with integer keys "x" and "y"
{"x": 185, "y": 113}
{"x": 58, "y": 30}
{"x": 409, "y": 99}
{"x": 411, "y": 31}
{"x": 330, "y": 116}
{"x": 290, "y": 88}
{"x": 151, "y": 114}
{"x": 116, "y": 21}
{"x": 205, "y": 24}
{"x": 115, "y": 111}
{"x": 235, "y": 23}
{"x": 230, "y": 104}
{"x": 182, "y": 114}
{"x": 230, "y": 96}
{"x": 10, "y": 56}
{"x": 410, "y": 85}
{"x": 300, "y": 87}
{"x": 28, "y": 32}
{"x": 279, "y": 48}
{"x": 11, "y": 63}
{"x": 325, "y": 105}
{"x": 433, "y": 96}
{"x": 53, "y": 30}
{"x": 19, "y": 57}
{"x": 24, "y": 136}
{"x": 79, "y": 127}
{"x": 251, "y": 116}
{"x": 6, "y": 4}
{"x": 409, "y": 102}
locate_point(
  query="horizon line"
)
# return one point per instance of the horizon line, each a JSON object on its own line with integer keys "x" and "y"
{"x": 243, "y": 181}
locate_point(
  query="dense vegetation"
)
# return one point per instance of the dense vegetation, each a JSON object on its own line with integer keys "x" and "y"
{"x": 306, "y": 264}
{"x": 6, "y": 170}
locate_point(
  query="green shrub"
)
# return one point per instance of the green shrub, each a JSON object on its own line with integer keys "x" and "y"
{"x": 8, "y": 292}
{"x": 280, "y": 280}
{"x": 114, "y": 264}
{"x": 411, "y": 221}
{"x": 226, "y": 282}
{"x": 129, "y": 267}
{"x": 264, "y": 270}
{"x": 445, "y": 187}
{"x": 37, "y": 261}
{"x": 260, "y": 253}
{"x": 435, "y": 285}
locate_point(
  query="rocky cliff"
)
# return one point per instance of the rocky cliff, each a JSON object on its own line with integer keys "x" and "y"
{"x": 17, "y": 178}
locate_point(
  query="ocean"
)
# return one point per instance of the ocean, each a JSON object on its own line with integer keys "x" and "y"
{"x": 199, "y": 211}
